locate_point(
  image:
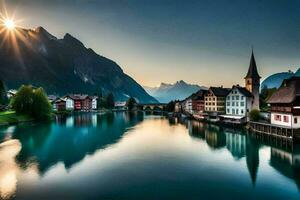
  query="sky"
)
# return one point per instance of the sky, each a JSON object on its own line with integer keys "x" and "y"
{"x": 199, "y": 41}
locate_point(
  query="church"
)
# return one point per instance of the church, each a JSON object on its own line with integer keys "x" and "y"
{"x": 241, "y": 100}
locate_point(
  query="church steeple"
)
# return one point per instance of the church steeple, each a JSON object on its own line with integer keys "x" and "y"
{"x": 252, "y": 81}
{"x": 252, "y": 71}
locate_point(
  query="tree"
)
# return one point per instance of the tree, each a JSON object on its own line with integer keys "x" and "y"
{"x": 41, "y": 107}
{"x": 254, "y": 115}
{"x": 32, "y": 102}
{"x": 131, "y": 103}
{"x": 3, "y": 96}
{"x": 265, "y": 94}
{"x": 170, "y": 106}
{"x": 110, "y": 102}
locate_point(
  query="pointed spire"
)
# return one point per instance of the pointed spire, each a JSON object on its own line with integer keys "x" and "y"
{"x": 252, "y": 71}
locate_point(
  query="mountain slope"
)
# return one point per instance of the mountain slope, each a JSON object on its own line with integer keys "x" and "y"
{"x": 168, "y": 92}
{"x": 62, "y": 66}
{"x": 275, "y": 80}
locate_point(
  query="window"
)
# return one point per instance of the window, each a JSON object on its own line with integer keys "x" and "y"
{"x": 233, "y": 111}
{"x": 285, "y": 119}
{"x": 232, "y": 103}
{"x": 277, "y": 117}
{"x": 229, "y": 111}
{"x": 237, "y": 97}
{"x": 237, "y": 103}
{"x": 295, "y": 120}
{"x": 242, "y": 111}
{"x": 242, "y": 103}
{"x": 237, "y": 111}
{"x": 232, "y": 97}
{"x": 242, "y": 97}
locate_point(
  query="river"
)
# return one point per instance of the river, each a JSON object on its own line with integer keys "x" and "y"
{"x": 142, "y": 156}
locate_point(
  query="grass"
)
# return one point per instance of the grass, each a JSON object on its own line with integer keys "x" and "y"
{"x": 10, "y": 117}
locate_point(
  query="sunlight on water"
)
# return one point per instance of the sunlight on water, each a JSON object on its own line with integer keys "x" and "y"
{"x": 136, "y": 156}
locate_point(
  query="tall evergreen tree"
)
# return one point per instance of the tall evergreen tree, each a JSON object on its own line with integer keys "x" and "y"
{"x": 110, "y": 101}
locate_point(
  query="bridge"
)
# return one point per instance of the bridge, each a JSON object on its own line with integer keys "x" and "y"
{"x": 152, "y": 106}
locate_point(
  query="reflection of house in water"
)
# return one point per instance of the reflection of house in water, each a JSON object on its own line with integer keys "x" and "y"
{"x": 197, "y": 129}
{"x": 287, "y": 163}
{"x": 236, "y": 144}
{"x": 215, "y": 137}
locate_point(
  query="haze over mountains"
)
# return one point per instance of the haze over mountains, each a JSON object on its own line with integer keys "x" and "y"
{"x": 62, "y": 66}
{"x": 177, "y": 91}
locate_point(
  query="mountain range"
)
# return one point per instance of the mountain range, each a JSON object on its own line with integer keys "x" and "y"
{"x": 178, "y": 91}
{"x": 62, "y": 66}
{"x": 275, "y": 80}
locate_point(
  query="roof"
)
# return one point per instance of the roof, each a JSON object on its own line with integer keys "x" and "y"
{"x": 252, "y": 71}
{"x": 78, "y": 96}
{"x": 287, "y": 92}
{"x": 199, "y": 95}
{"x": 220, "y": 91}
{"x": 243, "y": 91}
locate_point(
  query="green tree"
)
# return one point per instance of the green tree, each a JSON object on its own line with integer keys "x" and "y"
{"x": 32, "y": 102}
{"x": 3, "y": 96}
{"x": 265, "y": 94}
{"x": 254, "y": 115}
{"x": 131, "y": 103}
{"x": 110, "y": 101}
{"x": 41, "y": 107}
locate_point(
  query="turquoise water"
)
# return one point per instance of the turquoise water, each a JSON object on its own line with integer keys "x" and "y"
{"x": 138, "y": 156}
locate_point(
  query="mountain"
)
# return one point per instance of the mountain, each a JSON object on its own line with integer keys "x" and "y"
{"x": 275, "y": 80}
{"x": 62, "y": 66}
{"x": 168, "y": 92}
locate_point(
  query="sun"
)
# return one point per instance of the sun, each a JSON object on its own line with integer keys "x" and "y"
{"x": 9, "y": 24}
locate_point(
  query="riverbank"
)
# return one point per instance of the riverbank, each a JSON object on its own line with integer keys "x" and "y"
{"x": 10, "y": 117}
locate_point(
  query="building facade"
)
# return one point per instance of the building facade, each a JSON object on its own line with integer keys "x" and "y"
{"x": 285, "y": 104}
{"x": 215, "y": 99}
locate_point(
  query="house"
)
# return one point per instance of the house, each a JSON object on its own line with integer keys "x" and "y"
{"x": 215, "y": 100}
{"x": 285, "y": 104}
{"x": 178, "y": 106}
{"x": 81, "y": 101}
{"x": 94, "y": 102}
{"x": 69, "y": 102}
{"x": 120, "y": 104}
{"x": 198, "y": 102}
{"x": 239, "y": 102}
{"x": 11, "y": 93}
{"x": 60, "y": 104}
{"x": 187, "y": 105}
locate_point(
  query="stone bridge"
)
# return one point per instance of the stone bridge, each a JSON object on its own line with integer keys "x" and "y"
{"x": 152, "y": 106}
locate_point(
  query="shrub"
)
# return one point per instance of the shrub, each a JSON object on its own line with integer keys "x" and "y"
{"x": 254, "y": 115}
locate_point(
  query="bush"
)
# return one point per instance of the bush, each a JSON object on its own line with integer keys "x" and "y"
{"x": 32, "y": 102}
{"x": 254, "y": 115}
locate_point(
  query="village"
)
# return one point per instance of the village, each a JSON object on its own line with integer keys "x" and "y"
{"x": 240, "y": 106}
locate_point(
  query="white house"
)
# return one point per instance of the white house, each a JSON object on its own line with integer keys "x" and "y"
{"x": 94, "y": 102}
{"x": 69, "y": 103}
{"x": 285, "y": 104}
{"x": 238, "y": 104}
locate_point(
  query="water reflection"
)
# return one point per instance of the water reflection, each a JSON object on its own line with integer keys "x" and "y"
{"x": 137, "y": 156}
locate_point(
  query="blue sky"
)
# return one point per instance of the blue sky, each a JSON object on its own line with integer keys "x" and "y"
{"x": 204, "y": 42}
